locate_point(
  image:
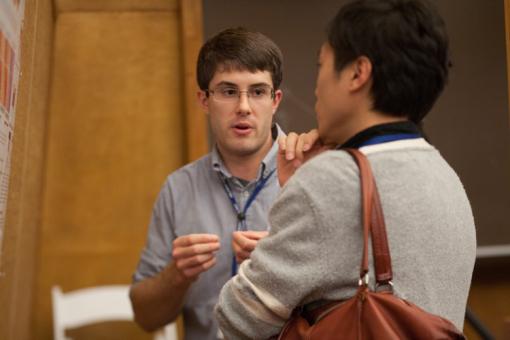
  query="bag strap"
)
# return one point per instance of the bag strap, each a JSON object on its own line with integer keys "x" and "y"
{"x": 373, "y": 223}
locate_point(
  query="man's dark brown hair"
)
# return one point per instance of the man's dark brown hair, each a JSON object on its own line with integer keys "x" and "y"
{"x": 242, "y": 50}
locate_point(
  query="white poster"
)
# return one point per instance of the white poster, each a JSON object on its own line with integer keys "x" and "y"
{"x": 11, "y": 21}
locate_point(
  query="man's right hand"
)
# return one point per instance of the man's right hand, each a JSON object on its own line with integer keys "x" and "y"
{"x": 194, "y": 254}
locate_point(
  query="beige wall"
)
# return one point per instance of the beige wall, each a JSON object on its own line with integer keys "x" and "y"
{"x": 24, "y": 200}
{"x": 116, "y": 129}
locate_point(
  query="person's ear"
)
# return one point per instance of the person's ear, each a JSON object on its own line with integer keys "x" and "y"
{"x": 278, "y": 95}
{"x": 362, "y": 73}
{"x": 203, "y": 100}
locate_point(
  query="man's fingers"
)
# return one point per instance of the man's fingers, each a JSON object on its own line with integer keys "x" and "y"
{"x": 193, "y": 261}
{"x": 305, "y": 143}
{"x": 296, "y": 145}
{"x": 301, "y": 142}
{"x": 189, "y": 240}
{"x": 282, "y": 144}
{"x": 290, "y": 147}
{"x": 254, "y": 235}
{"x": 196, "y": 249}
{"x": 241, "y": 256}
{"x": 194, "y": 271}
{"x": 243, "y": 242}
{"x": 310, "y": 138}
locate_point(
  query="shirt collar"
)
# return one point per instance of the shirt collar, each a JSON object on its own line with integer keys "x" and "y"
{"x": 380, "y": 130}
{"x": 268, "y": 163}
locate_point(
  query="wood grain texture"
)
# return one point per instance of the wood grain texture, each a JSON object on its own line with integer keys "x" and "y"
{"x": 17, "y": 265}
{"x": 115, "y": 5}
{"x": 489, "y": 299}
{"x": 115, "y": 132}
{"x": 192, "y": 39}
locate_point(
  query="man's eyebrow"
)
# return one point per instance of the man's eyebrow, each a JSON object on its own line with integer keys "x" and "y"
{"x": 226, "y": 83}
{"x": 260, "y": 84}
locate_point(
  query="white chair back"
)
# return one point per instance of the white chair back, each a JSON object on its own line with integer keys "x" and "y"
{"x": 96, "y": 304}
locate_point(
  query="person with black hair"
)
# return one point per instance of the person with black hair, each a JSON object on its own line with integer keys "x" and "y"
{"x": 384, "y": 64}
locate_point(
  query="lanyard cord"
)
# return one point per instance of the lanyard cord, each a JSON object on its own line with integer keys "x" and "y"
{"x": 241, "y": 214}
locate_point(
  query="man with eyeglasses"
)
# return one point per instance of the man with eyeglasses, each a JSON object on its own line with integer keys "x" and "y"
{"x": 211, "y": 213}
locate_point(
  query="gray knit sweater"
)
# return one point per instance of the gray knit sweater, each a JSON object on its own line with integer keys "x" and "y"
{"x": 313, "y": 252}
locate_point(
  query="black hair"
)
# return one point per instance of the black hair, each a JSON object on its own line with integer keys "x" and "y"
{"x": 407, "y": 44}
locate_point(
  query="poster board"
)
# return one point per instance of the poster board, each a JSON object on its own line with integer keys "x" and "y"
{"x": 11, "y": 21}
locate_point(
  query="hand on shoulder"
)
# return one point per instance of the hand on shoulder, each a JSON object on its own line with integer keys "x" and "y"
{"x": 294, "y": 150}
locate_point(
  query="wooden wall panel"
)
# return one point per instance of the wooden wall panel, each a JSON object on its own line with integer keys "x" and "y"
{"x": 17, "y": 265}
{"x": 115, "y": 5}
{"x": 192, "y": 37}
{"x": 489, "y": 297}
{"x": 115, "y": 131}
{"x": 490, "y": 300}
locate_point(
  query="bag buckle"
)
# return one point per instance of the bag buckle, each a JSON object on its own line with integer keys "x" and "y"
{"x": 388, "y": 286}
{"x": 363, "y": 281}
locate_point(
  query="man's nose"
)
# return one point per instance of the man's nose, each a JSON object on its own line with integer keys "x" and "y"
{"x": 244, "y": 103}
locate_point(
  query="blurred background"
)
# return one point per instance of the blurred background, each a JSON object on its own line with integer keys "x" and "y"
{"x": 106, "y": 110}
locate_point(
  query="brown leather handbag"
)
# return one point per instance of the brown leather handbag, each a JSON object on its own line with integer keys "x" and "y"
{"x": 370, "y": 314}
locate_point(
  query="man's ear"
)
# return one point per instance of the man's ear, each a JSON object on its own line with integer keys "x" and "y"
{"x": 203, "y": 100}
{"x": 278, "y": 95}
{"x": 362, "y": 73}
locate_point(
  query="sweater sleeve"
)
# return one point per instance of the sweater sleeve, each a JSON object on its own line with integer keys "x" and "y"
{"x": 283, "y": 271}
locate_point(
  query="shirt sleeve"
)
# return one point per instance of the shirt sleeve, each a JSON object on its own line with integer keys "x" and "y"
{"x": 282, "y": 272}
{"x": 158, "y": 248}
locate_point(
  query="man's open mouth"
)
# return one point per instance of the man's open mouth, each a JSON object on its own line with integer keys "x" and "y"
{"x": 242, "y": 128}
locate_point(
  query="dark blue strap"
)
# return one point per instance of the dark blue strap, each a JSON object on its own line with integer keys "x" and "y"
{"x": 241, "y": 214}
{"x": 231, "y": 197}
{"x": 260, "y": 185}
{"x": 389, "y": 138}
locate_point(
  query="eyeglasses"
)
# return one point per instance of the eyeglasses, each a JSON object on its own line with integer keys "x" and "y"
{"x": 231, "y": 94}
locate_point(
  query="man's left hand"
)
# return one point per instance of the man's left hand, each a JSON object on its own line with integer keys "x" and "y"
{"x": 243, "y": 243}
